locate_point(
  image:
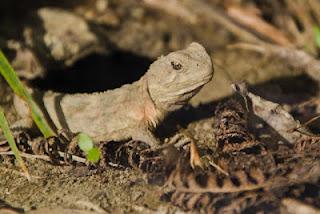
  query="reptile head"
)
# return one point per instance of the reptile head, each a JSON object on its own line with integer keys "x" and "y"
{"x": 175, "y": 78}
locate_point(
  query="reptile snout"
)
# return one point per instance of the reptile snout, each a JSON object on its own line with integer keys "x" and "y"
{"x": 202, "y": 60}
{"x": 197, "y": 47}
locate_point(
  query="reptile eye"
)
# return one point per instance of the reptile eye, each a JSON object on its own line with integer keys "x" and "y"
{"x": 176, "y": 65}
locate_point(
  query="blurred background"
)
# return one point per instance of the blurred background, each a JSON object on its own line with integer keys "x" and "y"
{"x": 93, "y": 45}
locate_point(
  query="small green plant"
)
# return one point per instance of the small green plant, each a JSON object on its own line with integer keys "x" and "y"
{"x": 316, "y": 31}
{"x": 7, "y": 133}
{"x": 86, "y": 144}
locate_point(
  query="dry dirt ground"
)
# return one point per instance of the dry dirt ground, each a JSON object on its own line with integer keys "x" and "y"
{"x": 125, "y": 190}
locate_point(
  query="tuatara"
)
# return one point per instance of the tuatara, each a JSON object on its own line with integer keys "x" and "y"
{"x": 133, "y": 110}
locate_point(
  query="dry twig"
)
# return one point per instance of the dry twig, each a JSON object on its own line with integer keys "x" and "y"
{"x": 273, "y": 114}
{"x": 257, "y": 24}
{"x": 297, "y": 59}
{"x": 201, "y": 11}
{"x": 46, "y": 157}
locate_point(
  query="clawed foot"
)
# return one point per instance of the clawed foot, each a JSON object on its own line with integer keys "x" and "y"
{"x": 183, "y": 139}
{"x": 195, "y": 160}
{"x": 71, "y": 141}
{"x": 22, "y": 140}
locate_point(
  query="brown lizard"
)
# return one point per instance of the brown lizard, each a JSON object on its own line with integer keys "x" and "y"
{"x": 133, "y": 110}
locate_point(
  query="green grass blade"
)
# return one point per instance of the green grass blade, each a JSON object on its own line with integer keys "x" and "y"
{"x": 11, "y": 77}
{"x": 8, "y": 135}
{"x": 316, "y": 31}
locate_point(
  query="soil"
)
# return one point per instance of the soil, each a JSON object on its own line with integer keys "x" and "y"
{"x": 125, "y": 190}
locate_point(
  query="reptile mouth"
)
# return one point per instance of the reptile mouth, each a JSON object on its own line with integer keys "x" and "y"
{"x": 208, "y": 78}
{"x": 200, "y": 84}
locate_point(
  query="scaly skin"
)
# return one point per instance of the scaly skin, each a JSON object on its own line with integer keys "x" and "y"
{"x": 134, "y": 110}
